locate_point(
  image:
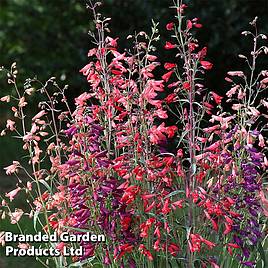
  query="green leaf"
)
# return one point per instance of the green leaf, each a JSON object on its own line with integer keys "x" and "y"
{"x": 46, "y": 185}
{"x": 76, "y": 229}
{"x": 262, "y": 254}
{"x": 35, "y": 217}
{"x": 80, "y": 264}
{"x": 174, "y": 193}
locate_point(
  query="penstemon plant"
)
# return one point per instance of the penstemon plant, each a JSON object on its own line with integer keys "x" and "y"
{"x": 107, "y": 168}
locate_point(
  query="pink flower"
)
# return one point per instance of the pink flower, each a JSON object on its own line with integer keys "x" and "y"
{"x": 177, "y": 204}
{"x": 156, "y": 134}
{"x": 264, "y": 103}
{"x": 10, "y": 125}
{"x": 241, "y": 94}
{"x": 232, "y": 91}
{"x": 173, "y": 249}
{"x": 254, "y": 111}
{"x": 23, "y": 246}
{"x": 11, "y": 195}
{"x": 80, "y": 101}
{"x": 15, "y": 216}
{"x": 92, "y": 52}
{"x": 236, "y": 73}
{"x": 37, "y": 116}
{"x": 22, "y": 102}
{"x": 237, "y": 106}
{"x": 213, "y": 146}
{"x": 60, "y": 246}
{"x": 170, "y": 98}
{"x": 228, "y": 228}
{"x": 123, "y": 249}
{"x": 85, "y": 70}
{"x": 111, "y": 42}
{"x": 151, "y": 57}
{"x": 161, "y": 113}
{"x": 149, "y": 92}
{"x": 202, "y": 53}
{"x": 264, "y": 203}
{"x": 12, "y": 168}
{"x": 211, "y": 129}
{"x": 5, "y": 98}
{"x": 261, "y": 141}
{"x": 195, "y": 243}
{"x": 29, "y": 186}
{"x": 130, "y": 194}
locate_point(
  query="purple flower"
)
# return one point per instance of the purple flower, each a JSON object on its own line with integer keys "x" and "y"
{"x": 249, "y": 263}
{"x": 71, "y": 131}
{"x": 132, "y": 263}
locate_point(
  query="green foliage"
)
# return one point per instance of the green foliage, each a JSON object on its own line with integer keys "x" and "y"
{"x": 49, "y": 38}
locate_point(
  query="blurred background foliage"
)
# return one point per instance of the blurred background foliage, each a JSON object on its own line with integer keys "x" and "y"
{"x": 49, "y": 38}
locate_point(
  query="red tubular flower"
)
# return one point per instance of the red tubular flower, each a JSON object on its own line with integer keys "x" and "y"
{"x": 186, "y": 85}
{"x": 189, "y": 25}
{"x": 170, "y": 98}
{"x": 198, "y": 25}
{"x": 195, "y": 243}
{"x": 145, "y": 252}
{"x": 202, "y": 53}
{"x": 178, "y": 204}
{"x": 167, "y": 76}
{"x": 130, "y": 194}
{"x": 166, "y": 209}
{"x": 206, "y": 64}
{"x": 200, "y": 176}
{"x": 149, "y": 208}
{"x": 170, "y": 131}
{"x": 170, "y": 26}
{"x": 145, "y": 226}
{"x": 156, "y": 245}
{"x": 157, "y": 232}
{"x": 217, "y": 98}
{"x": 169, "y": 66}
{"x": 228, "y": 228}
{"x": 173, "y": 249}
{"x": 208, "y": 243}
{"x": 169, "y": 46}
{"x": 231, "y": 246}
{"x": 125, "y": 222}
{"x": 123, "y": 249}
{"x": 192, "y": 46}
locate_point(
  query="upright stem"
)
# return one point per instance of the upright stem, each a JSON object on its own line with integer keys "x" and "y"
{"x": 190, "y": 74}
{"x": 190, "y": 181}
